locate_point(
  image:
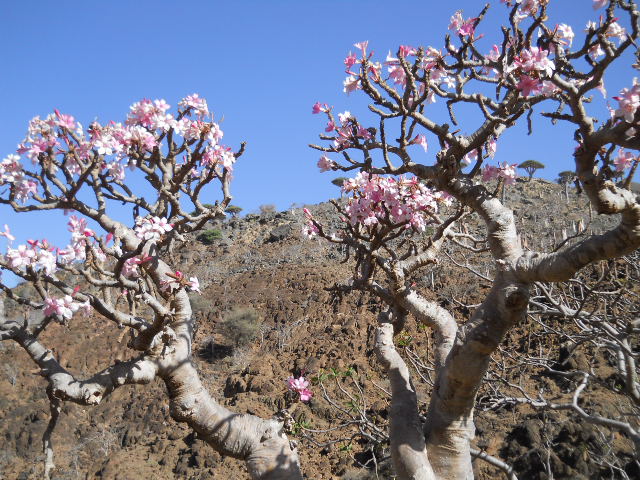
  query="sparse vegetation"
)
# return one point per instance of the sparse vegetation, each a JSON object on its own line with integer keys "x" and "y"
{"x": 208, "y": 237}
{"x": 267, "y": 209}
{"x": 241, "y": 326}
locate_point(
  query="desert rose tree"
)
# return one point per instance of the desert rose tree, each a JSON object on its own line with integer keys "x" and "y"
{"x": 401, "y": 210}
{"x": 85, "y": 173}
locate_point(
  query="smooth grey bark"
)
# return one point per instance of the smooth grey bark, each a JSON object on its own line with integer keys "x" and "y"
{"x": 408, "y": 448}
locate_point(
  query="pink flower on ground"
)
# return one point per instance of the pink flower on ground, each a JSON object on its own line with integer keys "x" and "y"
{"x": 194, "y": 284}
{"x": 300, "y": 385}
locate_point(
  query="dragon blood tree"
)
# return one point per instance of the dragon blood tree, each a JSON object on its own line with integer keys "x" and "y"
{"x": 179, "y": 158}
{"x": 395, "y": 220}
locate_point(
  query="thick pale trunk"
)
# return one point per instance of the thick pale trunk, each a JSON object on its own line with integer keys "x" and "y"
{"x": 261, "y": 443}
{"x": 449, "y": 428}
{"x": 408, "y": 449}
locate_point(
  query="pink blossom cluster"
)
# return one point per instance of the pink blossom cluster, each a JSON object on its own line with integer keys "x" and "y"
{"x": 60, "y": 137}
{"x": 82, "y": 237}
{"x": 301, "y": 386}
{"x": 628, "y": 102}
{"x": 310, "y": 229}
{"x": 533, "y": 65}
{"x": 401, "y": 201}
{"x": 130, "y": 266}
{"x": 178, "y": 280}
{"x": 461, "y": 26}
{"x": 526, "y": 8}
{"x": 151, "y": 228}
{"x": 624, "y": 160}
{"x": 347, "y": 132}
{"x": 37, "y": 255}
{"x": 504, "y": 170}
{"x": 352, "y": 82}
{"x": 64, "y": 307}
{"x": 11, "y": 173}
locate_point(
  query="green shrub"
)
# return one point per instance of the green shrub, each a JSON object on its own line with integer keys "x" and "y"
{"x": 233, "y": 210}
{"x": 240, "y": 326}
{"x": 209, "y": 236}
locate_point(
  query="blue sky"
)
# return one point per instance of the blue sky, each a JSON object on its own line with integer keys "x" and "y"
{"x": 260, "y": 64}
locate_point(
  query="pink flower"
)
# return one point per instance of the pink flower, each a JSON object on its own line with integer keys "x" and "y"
{"x": 325, "y": 164}
{"x": 504, "y": 170}
{"x": 152, "y": 228}
{"x": 628, "y": 102}
{"x": 198, "y": 104}
{"x": 406, "y": 50}
{"x": 318, "y": 107}
{"x": 528, "y": 85}
{"x": 350, "y": 61}
{"x": 60, "y": 307}
{"x": 420, "y": 140}
{"x": 548, "y": 88}
{"x": 330, "y": 126}
{"x": 599, "y": 4}
{"x": 623, "y": 160}
{"x": 535, "y": 60}
{"x": 489, "y": 172}
{"x": 65, "y": 121}
{"x": 7, "y": 234}
{"x": 492, "y": 147}
{"x": 615, "y": 30}
{"x": 362, "y": 46}
{"x": 344, "y": 117}
{"x": 20, "y": 257}
{"x": 596, "y": 51}
{"x": 305, "y": 394}
{"x": 461, "y": 26}
{"x": 194, "y": 284}
{"x": 364, "y": 133}
{"x": 300, "y": 385}
{"x": 565, "y": 33}
{"x": 351, "y": 83}
{"x": 310, "y": 230}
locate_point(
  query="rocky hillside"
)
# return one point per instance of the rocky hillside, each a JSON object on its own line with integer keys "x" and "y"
{"x": 261, "y": 266}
